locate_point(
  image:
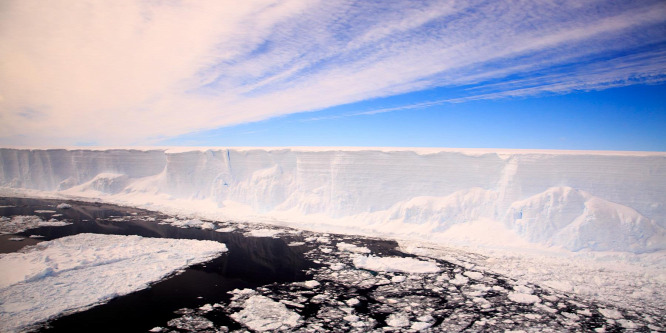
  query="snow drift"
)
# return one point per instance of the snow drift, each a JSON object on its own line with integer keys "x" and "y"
{"x": 577, "y": 200}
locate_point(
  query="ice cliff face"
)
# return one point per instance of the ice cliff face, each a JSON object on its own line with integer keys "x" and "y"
{"x": 578, "y": 200}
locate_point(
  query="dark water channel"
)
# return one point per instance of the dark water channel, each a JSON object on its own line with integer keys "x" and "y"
{"x": 250, "y": 262}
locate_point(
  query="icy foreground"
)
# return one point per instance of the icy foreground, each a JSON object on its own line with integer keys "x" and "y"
{"x": 381, "y": 292}
{"x": 73, "y": 273}
{"x": 601, "y": 201}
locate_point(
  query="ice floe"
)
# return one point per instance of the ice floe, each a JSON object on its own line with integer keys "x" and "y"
{"x": 523, "y": 298}
{"x": 342, "y": 246}
{"x": 398, "y": 320}
{"x": 191, "y": 323}
{"x": 20, "y": 223}
{"x": 194, "y": 223}
{"x": 395, "y": 264}
{"x": 264, "y": 232}
{"x": 73, "y": 273}
{"x": 345, "y": 295}
{"x": 51, "y": 223}
{"x": 261, "y": 313}
{"x": 312, "y": 284}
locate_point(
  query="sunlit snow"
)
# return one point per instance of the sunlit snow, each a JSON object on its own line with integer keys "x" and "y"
{"x": 260, "y": 313}
{"x": 550, "y": 198}
{"x": 72, "y": 273}
{"x": 352, "y": 248}
{"x": 263, "y": 233}
{"x": 395, "y": 264}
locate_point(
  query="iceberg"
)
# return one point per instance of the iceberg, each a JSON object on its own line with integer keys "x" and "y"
{"x": 577, "y": 200}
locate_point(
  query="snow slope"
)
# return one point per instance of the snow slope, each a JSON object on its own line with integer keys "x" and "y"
{"x": 576, "y": 200}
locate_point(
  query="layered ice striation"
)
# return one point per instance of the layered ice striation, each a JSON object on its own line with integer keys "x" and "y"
{"x": 577, "y": 200}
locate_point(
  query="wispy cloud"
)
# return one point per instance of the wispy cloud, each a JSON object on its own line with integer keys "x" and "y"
{"x": 126, "y": 72}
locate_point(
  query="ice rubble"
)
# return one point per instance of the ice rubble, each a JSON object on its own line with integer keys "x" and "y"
{"x": 623, "y": 279}
{"x": 395, "y": 264}
{"x": 455, "y": 298}
{"x": 20, "y": 223}
{"x": 261, "y": 313}
{"x": 342, "y": 246}
{"x": 75, "y": 272}
{"x": 577, "y": 200}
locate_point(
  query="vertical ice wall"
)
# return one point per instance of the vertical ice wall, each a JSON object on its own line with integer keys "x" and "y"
{"x": 57, "y": 169}
{"x": 548, "y": 197}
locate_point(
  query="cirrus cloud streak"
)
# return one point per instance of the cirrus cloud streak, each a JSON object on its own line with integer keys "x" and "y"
{"x": 135, "y": 72}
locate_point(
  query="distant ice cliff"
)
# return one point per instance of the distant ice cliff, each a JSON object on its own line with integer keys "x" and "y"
{"x": 577, "y": 200}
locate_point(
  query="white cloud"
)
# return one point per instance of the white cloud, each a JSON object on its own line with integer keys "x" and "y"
{"x": 128, "y": 72}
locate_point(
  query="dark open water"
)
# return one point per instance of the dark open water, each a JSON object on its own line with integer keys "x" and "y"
{"x": 250, "y": 262}
{"x": 270, "y": 264}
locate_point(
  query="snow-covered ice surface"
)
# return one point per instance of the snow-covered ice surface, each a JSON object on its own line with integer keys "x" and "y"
{"x": 73, "y": 273}
{"x": 577, "y": 200}
{"x": 370, "y": 285}
{"x": 263, "y": 232}
{"x": 395, "y": 264}
{"x": 352, "y": 248}
{"x": 261, "y": 313}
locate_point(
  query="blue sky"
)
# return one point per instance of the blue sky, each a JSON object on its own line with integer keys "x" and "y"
{"x": 626, "y": 118}
{"x": 583, "y": 74}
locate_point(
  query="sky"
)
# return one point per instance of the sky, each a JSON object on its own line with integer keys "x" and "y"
{"x": 537, "y": 74}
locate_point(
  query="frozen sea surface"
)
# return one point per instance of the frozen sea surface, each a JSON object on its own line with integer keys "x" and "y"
{"x": 342, "y": 297}
{"x": 331, "y": 282}
{"x": 75, "y": 272}
{"x": 251, "y": 262}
